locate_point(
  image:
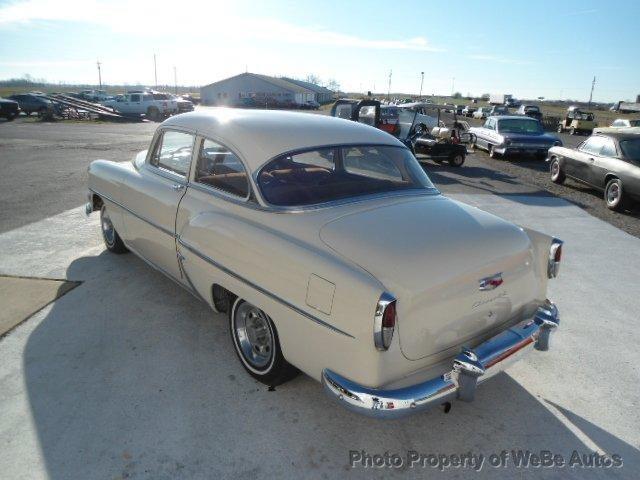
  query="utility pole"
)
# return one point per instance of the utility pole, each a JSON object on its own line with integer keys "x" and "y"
{"x": 593, "y": 84}
{"x": 99, "y": 74}
{"x": 175, "y": 79}
{"x": 421, "y": 82}
{"x": 155, "y": 71}
{"x": 453, "y": 82}
{"x": 389, "y": 91}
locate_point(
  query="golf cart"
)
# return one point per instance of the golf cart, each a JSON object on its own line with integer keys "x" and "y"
{"x": 421, "y": 126}
{"x": 431, "y": 132}
{"x": 576, "y": 122}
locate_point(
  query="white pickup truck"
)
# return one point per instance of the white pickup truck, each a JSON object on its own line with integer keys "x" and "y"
{"x": 143, "y": 103}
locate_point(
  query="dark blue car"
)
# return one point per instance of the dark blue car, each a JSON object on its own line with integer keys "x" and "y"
{"x": 506, "y": 135}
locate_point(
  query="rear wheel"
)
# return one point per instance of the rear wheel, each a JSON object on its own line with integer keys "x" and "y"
{"x": 256, "y": 343}
{"x": 559, "y": 128}
{"x": 153, "y": 113}
{"x": 557, "y": 174}
{"x": 572, "y": 131}
{"x": 112, "y": 240}
{"x": 614, "y": 195}
{"x": 457, "y": 160}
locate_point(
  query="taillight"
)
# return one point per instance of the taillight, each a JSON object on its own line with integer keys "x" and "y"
{"x": 384, "y": 322}
{"x": 555, "y": 256}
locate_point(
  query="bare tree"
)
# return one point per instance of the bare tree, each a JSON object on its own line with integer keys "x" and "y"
{"x": 332, "y": 84}
{"x": 311, "y": 78}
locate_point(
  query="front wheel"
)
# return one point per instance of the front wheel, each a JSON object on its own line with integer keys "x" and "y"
{"x": 492, "y": 152}
{"x": 112, "y": 240}
{"x": 614, "y": 195}
{"x": 557, "y": 174}
{"x": 572, "y": 131}
{"x": 256, "y": 343}
{"x": 559, "y": 128}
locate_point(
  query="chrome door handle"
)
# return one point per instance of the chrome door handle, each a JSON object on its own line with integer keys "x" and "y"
{"x": 177, "y": 187}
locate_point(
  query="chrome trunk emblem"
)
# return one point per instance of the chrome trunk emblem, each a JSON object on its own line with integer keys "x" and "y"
{"x": 490, "y": 283}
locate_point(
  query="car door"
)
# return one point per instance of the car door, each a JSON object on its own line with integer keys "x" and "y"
{"x": 488, "y": 130}
{"x": 152, "y": 198}
{"x": 584, "y": 158}
{"x": 134, "y": 105}
{"x": 606, "y": 161}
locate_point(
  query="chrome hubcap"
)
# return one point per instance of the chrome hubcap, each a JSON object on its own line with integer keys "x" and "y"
{"x": 254, "y": 334}
{"x": 555, "y": 169}
{"x": 613, "y": 193}
{"x": 107, "y": 229}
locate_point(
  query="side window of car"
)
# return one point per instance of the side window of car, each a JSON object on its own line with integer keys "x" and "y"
{"x": 487, "y": 124}
{"x": 173, "y": 152}
{"x": 608, "y": 149}
{"x": 221, "y": 169}
{"x": 135, "y": 98}
{"x": 593, "y": 145}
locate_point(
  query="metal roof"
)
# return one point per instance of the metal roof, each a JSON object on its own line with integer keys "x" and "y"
{"x": 278, "y": 82}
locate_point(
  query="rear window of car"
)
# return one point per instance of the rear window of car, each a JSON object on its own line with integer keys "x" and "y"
{"x": 631, "y": 149}
{"x": 334, "y": 173}
{"x": 518, "y": 125}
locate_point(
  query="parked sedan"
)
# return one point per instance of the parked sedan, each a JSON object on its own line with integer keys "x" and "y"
{"x": 332, "y": 254}
{"x": 30, "y": 102}
{"x": 506, "y": 135}
{"x": 608, "y": 161}
{"x": 9, "y": 109}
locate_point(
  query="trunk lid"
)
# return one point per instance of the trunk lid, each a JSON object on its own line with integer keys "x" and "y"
{"x": 431, "y": 253}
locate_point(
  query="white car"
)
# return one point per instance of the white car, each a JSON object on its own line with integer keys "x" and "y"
{"x": 333, "y": 254}
{"x": 482, "y": 112}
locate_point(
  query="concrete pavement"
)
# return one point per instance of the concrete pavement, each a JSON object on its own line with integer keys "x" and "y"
{"x": 128, "y": 376}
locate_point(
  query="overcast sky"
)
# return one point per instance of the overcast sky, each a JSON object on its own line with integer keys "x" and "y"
{"x": 543, "y": 48}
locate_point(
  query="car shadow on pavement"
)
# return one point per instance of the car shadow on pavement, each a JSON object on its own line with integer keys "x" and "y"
{"x": 129, "y": 376}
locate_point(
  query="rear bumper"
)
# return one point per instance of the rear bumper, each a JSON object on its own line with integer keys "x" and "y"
{"x": 469, "y": 368}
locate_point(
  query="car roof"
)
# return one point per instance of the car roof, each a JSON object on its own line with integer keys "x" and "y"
{"x": 259, "y": 135}
{"x": 618, "y": 135}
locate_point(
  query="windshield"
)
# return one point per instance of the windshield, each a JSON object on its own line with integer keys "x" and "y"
{"x": 631, "y": 149}
{"x": 531, "y": 108}
{"x": 519, "y": 125}
{"x": 335, "y": 173}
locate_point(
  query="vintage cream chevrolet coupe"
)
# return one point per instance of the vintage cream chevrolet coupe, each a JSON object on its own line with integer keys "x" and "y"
{"x": 332, "y": 253}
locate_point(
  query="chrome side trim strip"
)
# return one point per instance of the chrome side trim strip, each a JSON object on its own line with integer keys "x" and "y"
{"x": 144, "y": 219}
{"x": 260, "y": 289}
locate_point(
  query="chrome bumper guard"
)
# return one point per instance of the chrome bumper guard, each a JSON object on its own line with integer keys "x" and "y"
{"x": 469, "y": 368}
